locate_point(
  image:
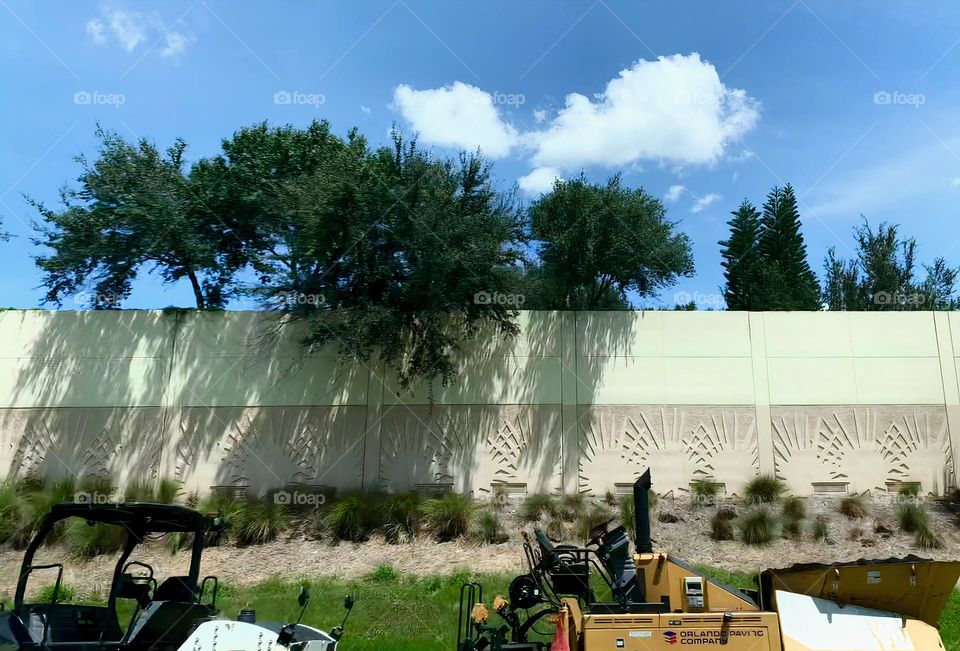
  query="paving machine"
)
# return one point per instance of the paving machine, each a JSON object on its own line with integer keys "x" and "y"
{"x": 601, "y": 597}
{"x": 176, "y": 613}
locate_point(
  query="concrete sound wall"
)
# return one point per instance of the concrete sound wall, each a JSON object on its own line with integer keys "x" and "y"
{"x": 577, "y": 402}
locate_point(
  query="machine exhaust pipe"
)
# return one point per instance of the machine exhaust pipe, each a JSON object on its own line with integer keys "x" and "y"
{"x": 641, "y": 504}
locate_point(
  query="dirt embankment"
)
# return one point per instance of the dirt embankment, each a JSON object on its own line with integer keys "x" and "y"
{"x": 875, "y": 536}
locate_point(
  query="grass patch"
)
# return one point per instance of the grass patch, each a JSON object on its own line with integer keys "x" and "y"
{"x": 721, "y": 527}
{"x": 927, "y": 538}
{"x": 821, "y": 530}
{"x": 537, "y": 507}
{"x": 254, "y": 522}
{"x": 595, "y": 516}
{"x": 764, "y": 489}
{"x": 853, "y": 507}
{"x": 352, "y": 518}
{"x": 448, "y": 516}
{"x": 794, "y": 508}
{"x": 48, "y": 594}
{"x": 628, "y": 515}
{"x": 488, "y": 528}
{"x": 792, "y": 529}
{"x": 911, "y": 517}
{"x": 758, "y": 527}
{"x": 732, "y": 579}
{"x": 704, "y": 492}
{"x": 383, "y": 591}
{"x": 572, "y": 507}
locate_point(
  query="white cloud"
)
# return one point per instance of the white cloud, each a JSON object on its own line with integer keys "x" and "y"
{"x": 674, "y": 109}
{"x": 176, "y": 44}
{"x": 539, "y": 116}
{"x": 673, "y": 193}
{"x": 95, "y": 30}
{"x": 539, "y": 180}
{"x": 460, "y": 115}
{"x": 955, "y": 182}
{"x": 705, "y": 201}
{"x": 365, "y": 109}
{"x": 131, "y": 29}
{"x": 744, "y": 155}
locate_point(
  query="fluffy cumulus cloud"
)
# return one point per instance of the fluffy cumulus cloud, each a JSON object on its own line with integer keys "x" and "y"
{"x": 673, "y": 193}
{"x": 460, "y": 116}
{"x": 131, "y": 29}
{"x": 702, "y": 203}
{"x": 538, "y": 181}
{"x": 674, "y": 109}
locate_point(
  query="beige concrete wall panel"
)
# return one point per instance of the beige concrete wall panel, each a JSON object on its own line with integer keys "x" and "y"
{"x": 496, "y": 380}
{"x": 269, "y": 447}
{"x": 239, "y": 381}
{"x": 899, "y": 380}
{"x": 471, "y": 447}
{"x": 123, "y": 444}
{"x": 863, "y": 446}
{"x": 677, "y": 444}
{"x": 630, "y": 334}
{"x": 706, "y": 334}
{"x": 807, "y": 334}
{"x": 893, "y": 334}
{"x": 812, "y": 381}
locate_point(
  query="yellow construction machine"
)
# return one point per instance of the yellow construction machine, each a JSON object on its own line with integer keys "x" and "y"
{"x": 600, "y": 597}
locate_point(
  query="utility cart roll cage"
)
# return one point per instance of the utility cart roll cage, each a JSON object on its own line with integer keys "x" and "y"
{"x": 164, "y": 611}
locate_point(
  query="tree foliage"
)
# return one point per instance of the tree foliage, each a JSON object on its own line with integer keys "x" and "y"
{"x": 765, "y": 257}
{"x": 136, "y": 207}
{"x": 787, "y": 282}
{"x": 392, "y": 253}
{"x": 598, "y": 242}
{"x": 741, "y": 259}
{"x": 883, "y": 275}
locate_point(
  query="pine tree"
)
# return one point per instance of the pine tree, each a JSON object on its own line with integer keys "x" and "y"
{"x": 787, "y": 282}
{"x": 741, "y": 258}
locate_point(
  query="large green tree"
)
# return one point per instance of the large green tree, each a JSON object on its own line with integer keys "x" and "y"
{"x": 599, "y": 243}
{"x": 137, "y": 207}
{"x": 741, "y": 261}
{"x": 883, "y": 275}
{"x": 787, "y": 281}
{"x": 394, "y": 254}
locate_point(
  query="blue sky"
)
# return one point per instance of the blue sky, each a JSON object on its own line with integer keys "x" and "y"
{"x": 855, "y": 103}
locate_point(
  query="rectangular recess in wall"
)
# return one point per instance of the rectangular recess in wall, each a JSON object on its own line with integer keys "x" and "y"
{"x": 507, "y": 488}
{"x": 434, "y": 489}
{"x": 894, "y": 486}
{"x": 623, "y": 489}
{"x": 830, "y": 487}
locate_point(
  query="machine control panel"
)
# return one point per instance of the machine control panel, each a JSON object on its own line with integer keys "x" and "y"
{"x": 693, "y": 593}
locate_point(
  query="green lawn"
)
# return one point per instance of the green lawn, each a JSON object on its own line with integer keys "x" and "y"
{"x": 390, "y": 612}
{"x": 394, "y": 613}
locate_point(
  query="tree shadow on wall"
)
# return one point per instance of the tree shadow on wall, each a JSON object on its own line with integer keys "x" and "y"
{"x": 137, "y": 395}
